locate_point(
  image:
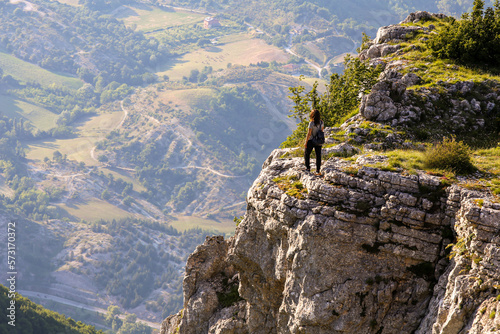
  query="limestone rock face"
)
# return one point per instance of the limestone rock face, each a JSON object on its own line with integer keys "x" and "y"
{"x": 207, "y": 273}
{"x": 394, "y": 101}
{"x": 360, "y": 250}
{"x": 394, "y": 32}
{"x": 421, "y": 16}
{"x": 465, "y": 298}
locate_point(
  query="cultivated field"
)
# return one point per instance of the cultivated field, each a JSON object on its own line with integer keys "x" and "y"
{"x": 316, "y": 51}
{"x": 90, "y": 132}
{"x": 183, "y": 223}
{"x": 94, "y": 209}
{"x": 71, "y": 2}
{"x": 241, "y": 52}
{"x": 39, "y": 117}
{"x": 340, "y": 58}
{"x": 187, "y": 98}
{"x": 27, "y": 72}
{"x": 149, "y": 18}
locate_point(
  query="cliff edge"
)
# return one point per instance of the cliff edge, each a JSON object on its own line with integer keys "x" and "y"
{"x": 365, "y": 248}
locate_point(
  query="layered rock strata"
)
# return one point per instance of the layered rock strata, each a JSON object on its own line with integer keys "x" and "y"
{"x": 359, "y": 250}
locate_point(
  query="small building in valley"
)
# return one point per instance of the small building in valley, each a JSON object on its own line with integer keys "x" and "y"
{"x": 211, "y": 22}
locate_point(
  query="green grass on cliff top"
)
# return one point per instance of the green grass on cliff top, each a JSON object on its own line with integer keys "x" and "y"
{"x": 487, "y": 162}
{"x": 431, "y": 69}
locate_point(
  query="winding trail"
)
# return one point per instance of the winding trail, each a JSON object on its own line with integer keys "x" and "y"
{"x": 318, "y": 68}
{"x": 182, "y": 131}
{"x": 125, "y": 115}
{"x": 290, "y": 51}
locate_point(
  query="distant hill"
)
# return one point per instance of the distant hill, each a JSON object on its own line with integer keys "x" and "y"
{"x": 351, "y": 17}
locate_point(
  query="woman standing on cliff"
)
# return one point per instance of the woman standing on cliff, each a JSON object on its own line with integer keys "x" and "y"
{"x": 315, "y": 125}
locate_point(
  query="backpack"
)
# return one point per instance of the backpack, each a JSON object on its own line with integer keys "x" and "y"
{"x": 319, "y": 138}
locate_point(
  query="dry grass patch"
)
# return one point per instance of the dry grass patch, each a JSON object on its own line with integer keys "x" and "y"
{"x": 242, "y": 52}
{"x": 488, "y": 162}
{"x": 292, "y": 186}
{"x": 39, "y": 117}
{"x": 94, "y": 210}
{"x": 126, "y": 176}
{"x": 187, "y": 98}
{"x": 149, "y": 18}
{"x": 5, "y": 189}
{"x": 90, "y": 132}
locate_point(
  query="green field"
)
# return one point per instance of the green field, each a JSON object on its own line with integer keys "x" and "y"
{"x": 91, "y": 131}
{"x": 244, "y": 51}
{"x": 27, "y": 72}
{"x": 316, "y": 51}
{"x": 183, "y": 223}
{"x": 39, "y": 117}
{"x": 187, "y": 98}
{"x": 126, "y": 176}
{"x": 70, "y": 2}
{"x": 149, "y": 18}
{"x": 95, "y": 209}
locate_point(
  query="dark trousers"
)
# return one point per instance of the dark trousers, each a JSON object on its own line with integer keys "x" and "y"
{"x": 307, "y": 155}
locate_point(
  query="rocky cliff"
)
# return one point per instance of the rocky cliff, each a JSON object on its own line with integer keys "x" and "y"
{"x": 363, "y": 249}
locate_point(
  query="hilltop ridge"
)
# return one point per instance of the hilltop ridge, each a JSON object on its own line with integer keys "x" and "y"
{"x": 379, "y": 244}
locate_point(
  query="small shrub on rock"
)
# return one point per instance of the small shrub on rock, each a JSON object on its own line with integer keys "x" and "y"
{"x": 450, "y": 155}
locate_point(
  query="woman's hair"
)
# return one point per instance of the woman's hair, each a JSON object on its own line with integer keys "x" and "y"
{"x": 315, "y": 116}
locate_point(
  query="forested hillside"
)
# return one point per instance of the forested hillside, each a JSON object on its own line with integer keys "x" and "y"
{"x": 33, "y": 318}
{"x": 79, "y": 41}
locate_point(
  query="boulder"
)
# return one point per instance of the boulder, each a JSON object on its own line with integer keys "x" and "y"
{"x": 421, "y": 16}
{"x": 395, "y": 32}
